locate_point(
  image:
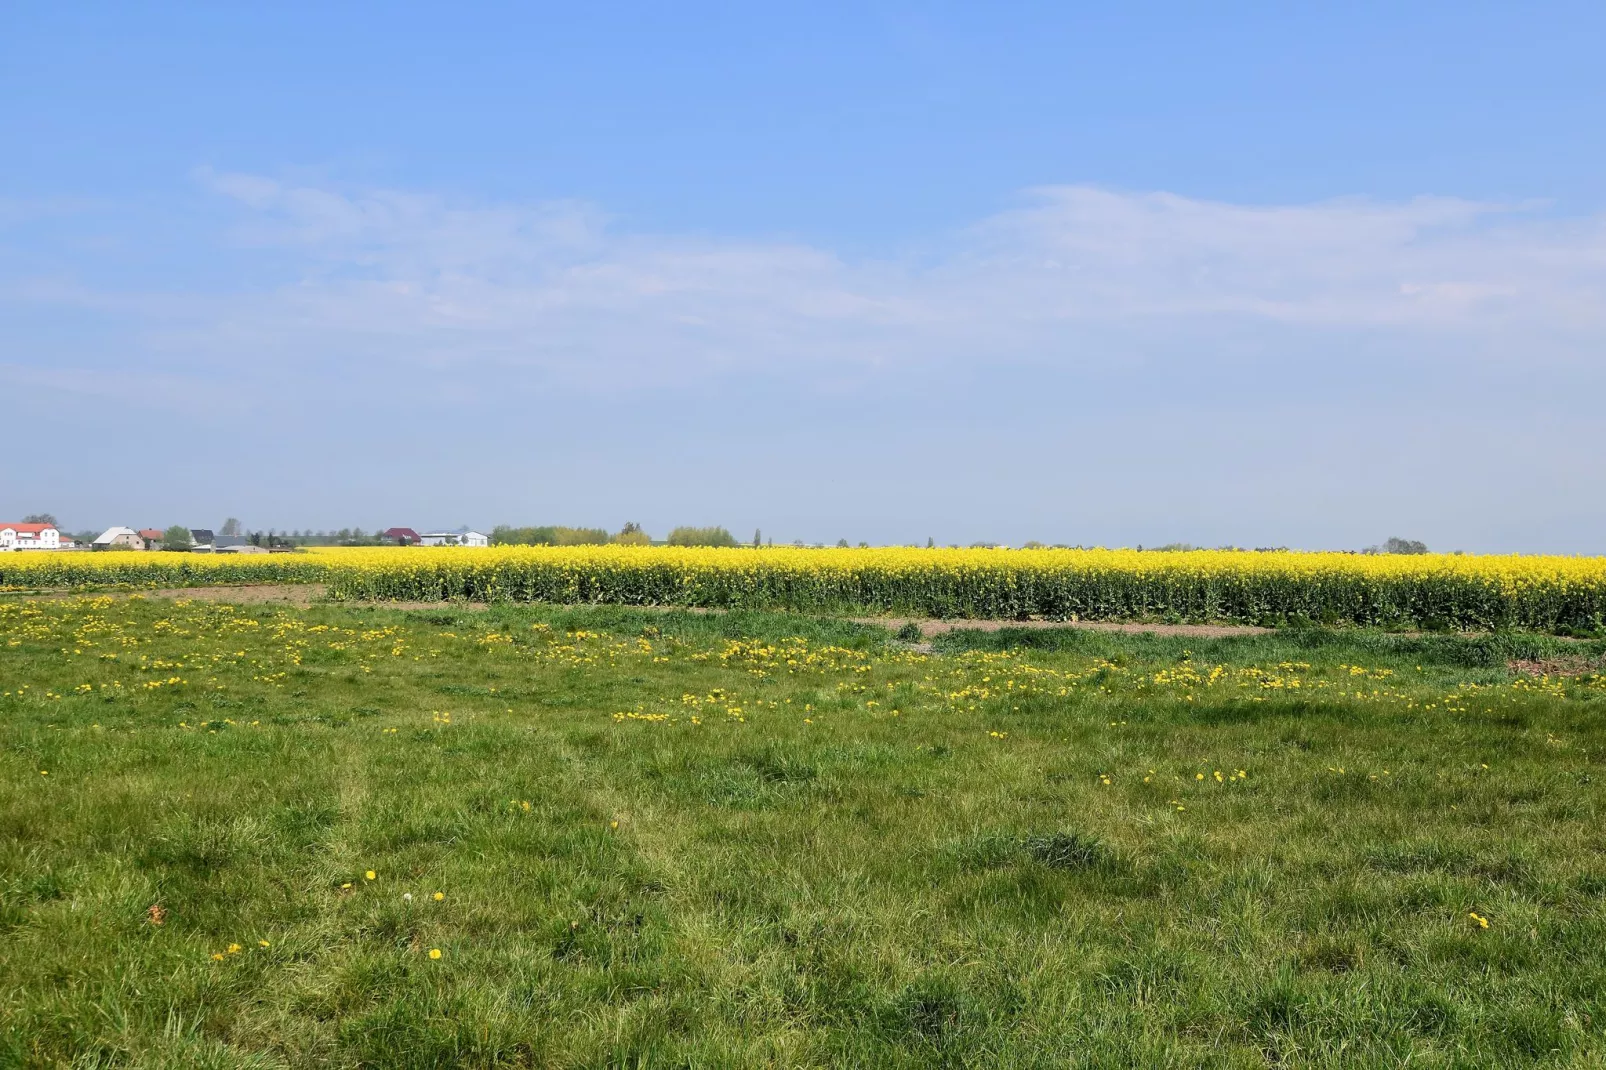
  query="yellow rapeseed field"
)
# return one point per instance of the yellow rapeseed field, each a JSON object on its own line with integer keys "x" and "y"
{"x": 1459, "y": 591}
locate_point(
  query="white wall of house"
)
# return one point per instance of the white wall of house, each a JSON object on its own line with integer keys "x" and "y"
{"x": 119, "y": 537}
{"x": 29, "y": 537}
{"x": 453, "y": 538}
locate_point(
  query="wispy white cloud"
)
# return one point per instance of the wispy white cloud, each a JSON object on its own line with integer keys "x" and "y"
{"x": 556, "y": 282}
{"x": 16, "y": 210}
{"x": 1429, "y": 262}
{"x": 134, "y": 386}
{"x": 564, "y": 291}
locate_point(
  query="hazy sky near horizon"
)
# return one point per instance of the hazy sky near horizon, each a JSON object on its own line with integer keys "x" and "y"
{"x": 1305, "y": 275}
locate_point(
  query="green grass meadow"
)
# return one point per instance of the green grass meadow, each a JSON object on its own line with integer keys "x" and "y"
{"x": 668, "y": 839}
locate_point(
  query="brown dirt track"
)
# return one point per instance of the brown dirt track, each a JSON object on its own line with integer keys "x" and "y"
{"x": 303, "y": 595}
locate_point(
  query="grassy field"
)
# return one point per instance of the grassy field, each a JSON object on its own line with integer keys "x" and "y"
{"x": 239, "y": 836}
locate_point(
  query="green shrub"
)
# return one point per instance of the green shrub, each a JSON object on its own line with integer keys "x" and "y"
{"x": 684, "y": 536}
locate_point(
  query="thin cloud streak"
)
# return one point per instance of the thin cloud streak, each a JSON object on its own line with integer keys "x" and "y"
{"x": 558, "y": 285}
{"x": 417, "y": 285}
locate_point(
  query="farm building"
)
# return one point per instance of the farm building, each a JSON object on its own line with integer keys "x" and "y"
{"x": 152, "y": 537}
{"x": 18, "y": 536}
{"x": 462, "y": 537}
{"x": 405, "y": 536}
{"x": 124, "y": 538}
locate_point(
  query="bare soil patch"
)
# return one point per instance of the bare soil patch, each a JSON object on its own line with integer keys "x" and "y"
{"x": 1566, "y": 665}
{"x": 300, "y": 595}
{"x": 304, "y": 595}
{"x": 938, "y": 627}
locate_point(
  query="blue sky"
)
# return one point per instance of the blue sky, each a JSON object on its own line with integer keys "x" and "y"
{"x": 1259, "y": 274}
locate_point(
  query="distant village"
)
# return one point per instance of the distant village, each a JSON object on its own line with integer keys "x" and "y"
{"x": 39, "y": 535}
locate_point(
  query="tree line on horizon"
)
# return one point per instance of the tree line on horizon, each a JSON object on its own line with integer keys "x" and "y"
{"x": 631, "y": 534}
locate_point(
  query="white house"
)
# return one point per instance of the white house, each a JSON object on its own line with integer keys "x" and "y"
{"x": 461, "y": 537}
{"x": 28, "y": 536}
{"x": 124, "y": 537}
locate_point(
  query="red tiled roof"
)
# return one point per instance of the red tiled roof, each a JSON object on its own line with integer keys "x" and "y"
{"x": 150, "y": 533}
{"x": 35, "y": 528}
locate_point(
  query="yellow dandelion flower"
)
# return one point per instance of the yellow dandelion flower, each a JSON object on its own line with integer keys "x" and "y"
{"x": 434, "y": 952}
{"x": 439, "y": 896}
{"x": 371, "y": 875}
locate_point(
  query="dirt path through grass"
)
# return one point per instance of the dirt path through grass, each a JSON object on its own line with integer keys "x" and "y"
{"x": 304, "y": 595}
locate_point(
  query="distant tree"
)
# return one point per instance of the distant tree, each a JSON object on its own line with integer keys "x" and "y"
{"x": 758, "y": 538}
{"x": 177, "y": 537}
{"x": 548, "y": 535}
{"x": 41, "y": 518}
{"x": 231, "y": 526}
{"x": 842, "y": 543}
{"x": 1031, "y": 544}
{"x": 562, "y": 536}
{"x": 1395, "y": 545}
{"x": 503, "y": 535}
{"x": 715, "y": 536}
{"x": 632, "y": 535}
{"x": 930, "y": 543}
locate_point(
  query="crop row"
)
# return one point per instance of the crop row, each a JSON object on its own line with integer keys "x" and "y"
{"x": 1432, "y": 589}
